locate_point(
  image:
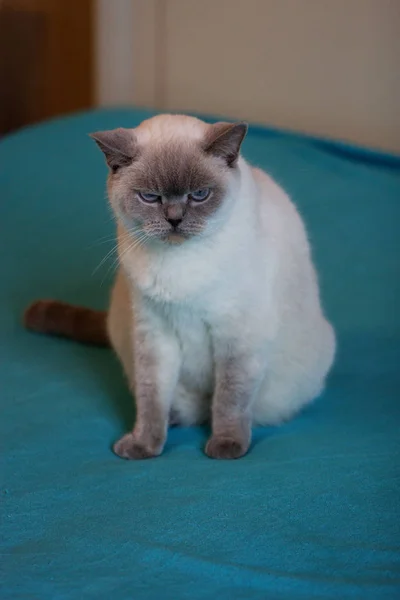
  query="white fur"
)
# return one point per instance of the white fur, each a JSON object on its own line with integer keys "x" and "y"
{"x": 250, "y": 284}
{"x": 162, "y": 128}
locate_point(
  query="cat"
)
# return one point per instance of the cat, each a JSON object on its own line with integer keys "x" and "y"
{"x": 215, "y": 312}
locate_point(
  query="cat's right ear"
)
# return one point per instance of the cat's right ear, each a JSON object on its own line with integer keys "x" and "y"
{"x": 224, "y": 140}
{"x": 118, "y": 145}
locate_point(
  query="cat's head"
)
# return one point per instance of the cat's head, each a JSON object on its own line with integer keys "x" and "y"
{"x": 170, "y": 177}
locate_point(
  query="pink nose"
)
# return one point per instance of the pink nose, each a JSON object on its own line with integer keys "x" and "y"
{"x": 174, "y": 213}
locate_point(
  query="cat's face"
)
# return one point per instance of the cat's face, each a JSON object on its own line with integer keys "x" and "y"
{"x": 170, "y": 176}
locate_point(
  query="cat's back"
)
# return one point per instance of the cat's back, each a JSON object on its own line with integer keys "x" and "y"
{"x": 272, "y": 196}
{"x": 279, "y": 215}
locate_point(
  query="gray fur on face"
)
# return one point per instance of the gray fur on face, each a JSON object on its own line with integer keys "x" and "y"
{"x": 172, "y": 170}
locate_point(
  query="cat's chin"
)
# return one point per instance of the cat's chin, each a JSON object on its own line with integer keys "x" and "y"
{"x": 175, "y": 238}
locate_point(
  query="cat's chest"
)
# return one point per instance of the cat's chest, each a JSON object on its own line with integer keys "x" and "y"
{"x": 174, "y": 279}
{"x": 195, "y": 346}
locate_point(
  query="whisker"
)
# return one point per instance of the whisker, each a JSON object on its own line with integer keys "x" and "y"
{"x": 110, "y": 253}
{"x": 102, "y": 241}
{"x": 135, "y": 243}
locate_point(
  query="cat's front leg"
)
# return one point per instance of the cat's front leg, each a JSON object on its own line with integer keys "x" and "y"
{"x": 156, "y": 369}
{"x": 237, "y": 379}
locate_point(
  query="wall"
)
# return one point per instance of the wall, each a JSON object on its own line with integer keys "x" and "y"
{"x": 321, "y": 66}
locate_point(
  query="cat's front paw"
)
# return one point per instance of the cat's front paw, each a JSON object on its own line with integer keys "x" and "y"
{"x": 225, "y": 447}
{"x": 132, "y": 449}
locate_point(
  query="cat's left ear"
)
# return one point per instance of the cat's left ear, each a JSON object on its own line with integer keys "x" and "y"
{"x": 118, "y": 145}
{"x": 224, "y": 140}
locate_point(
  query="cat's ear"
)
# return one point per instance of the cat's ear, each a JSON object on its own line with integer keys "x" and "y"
{"x": 224, "y": 140}
{"x": 118, "y": 145}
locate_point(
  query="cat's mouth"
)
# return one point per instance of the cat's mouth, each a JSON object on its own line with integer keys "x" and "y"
{"x": 172, "y": 236}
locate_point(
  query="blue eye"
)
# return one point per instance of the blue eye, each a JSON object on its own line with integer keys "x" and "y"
{"x": 200, "y": 195}
{"x": 149, "y": 197}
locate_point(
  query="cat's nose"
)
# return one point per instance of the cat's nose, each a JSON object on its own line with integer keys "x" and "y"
{"x": 174, "y": 222}
{"x": 174, "y": 213}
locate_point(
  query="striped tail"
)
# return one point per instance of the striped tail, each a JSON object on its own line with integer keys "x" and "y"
{"x": 77, "y": 323}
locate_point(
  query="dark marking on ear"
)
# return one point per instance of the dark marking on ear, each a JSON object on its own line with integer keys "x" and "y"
{"x": 118, "y": 145}
{"x": 224, "y": 140}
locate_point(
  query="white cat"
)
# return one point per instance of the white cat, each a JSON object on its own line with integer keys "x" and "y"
{"x": 215, "y": 310}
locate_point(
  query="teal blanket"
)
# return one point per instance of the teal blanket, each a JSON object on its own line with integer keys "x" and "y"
{"x": 313, "y": 511}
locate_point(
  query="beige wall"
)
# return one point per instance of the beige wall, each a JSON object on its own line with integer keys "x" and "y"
{"x": 328, "y": 67}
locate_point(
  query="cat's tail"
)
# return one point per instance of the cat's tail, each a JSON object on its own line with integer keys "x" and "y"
{"x": 77, "y": 323}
